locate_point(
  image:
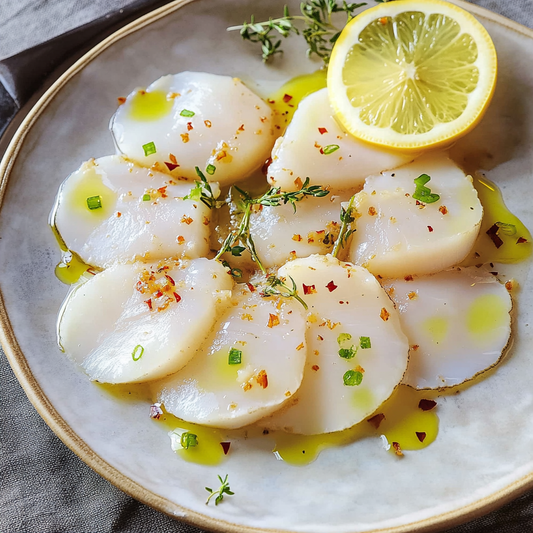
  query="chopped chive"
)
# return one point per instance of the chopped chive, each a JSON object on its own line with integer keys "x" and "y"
{"x": 94, "y": 202}
{"x": 137, "y": 352}
{"x": 149, "y": 149}
{"x": 236, "y": 272}
{"x": 146, "y": 197}
{"x": 188, "y": 440}
{"x": 352, "y": 378}
{"x": 344, "y": 337}
{"x": 187, "y": 113}
{"x": 347, "y": 353}
{"x": 330, "y": 148}
{"x": 210, "y": 169}
{"x": 234, "y": 357}
{"x": 365, "y": 343}
{"x": 506, "y": 229}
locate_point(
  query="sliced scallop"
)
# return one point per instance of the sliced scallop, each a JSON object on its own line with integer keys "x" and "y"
{"x": 398, "y": 235}
{"x": 316, "y": 147}
{"x": 133, "y": 323}
{"x": 195, "y": 119}
{"x": 356, "y": 351}
{"x": 252, "y": 363}
{"x": 111, "y": 210}
{"x": 457, "y": 322}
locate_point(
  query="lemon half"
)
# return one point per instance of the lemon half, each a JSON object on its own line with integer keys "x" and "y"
{"x": 412, "y": 74}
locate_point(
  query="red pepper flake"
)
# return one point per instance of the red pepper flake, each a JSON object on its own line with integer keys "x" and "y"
{"x": 158, "y": 294}
{"x": 207, "y": 123}
{"x": 156, "y": 411}
{"x": 521, "y": 240}
{"x": 173, "y": 159}
{"x": 177, "y": 296}
{"x": 376, "y": 420}
{"x": 384, "y": 314}
{"x": 149, "y": 304}
{"x": 331, "y": 286}
{"x": 372, "y": 211}
{"x": 251, "y": 288}
{"x": 119, "y": 214}
{"x": 315, "y": 367}
{"x": 414, "y": 347}
{"x": 430, "y": 229}
{"x": 273, "y": 320}
{"x": 184, "y": 137}
{"x": 121, "y": 100}
{"x": 172, "y": 282}
{"x": 297, "y": 237}
{"x": 163, "y": 191}
{"x": 180, "y": 239}
{"x": 189, "y": 126}
{"x": 298, "y": 182}
{"x": 322, "y": 131}
{"x": 492, "y": 232}
{"x": 383, "y": 20}
{"x": 241, "y": 127}
{"x": 427, "y": 405}
{"x": 225, "y": 447}
{"x": 509, "y": 285}
{"x": 171, "y": 166}
{"x": 408, "y": 278}
{"x": 397, "y": 449}
{"x": 443, "y": 209}
{"x": 421, "y": 435}
{"x": 266, "y": 164}
{"x": 287, "y": 98}
{"x": 187, "y": 220}
{"x": 309, "y": 289}
{"x": 262, "y": 378}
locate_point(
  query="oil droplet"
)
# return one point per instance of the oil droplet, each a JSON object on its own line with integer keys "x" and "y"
{"x": 495, "y": 210}
{"x": 485, "y": 315}
{"x": 406, "y": 423}
{"x": 148, "y": 106}
{"x": 128, "y": 392}
{"x": 301, "y": 450}
{"x": 72, "y": 268}
{"x": 436, "y": 327}
{"x": 286, "y": 99}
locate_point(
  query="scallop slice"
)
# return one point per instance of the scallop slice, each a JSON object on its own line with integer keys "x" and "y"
{"x": 196, "y": 119}
{"x": 111, "y": 210}
{"x": 316, "y": 147}
{"x": 457, "y": 322}
{"x": 356, "y": 351}
{"x": 133, "y": 323}
{"x": 252, "y": 363}
{"x": 398, "y": 235}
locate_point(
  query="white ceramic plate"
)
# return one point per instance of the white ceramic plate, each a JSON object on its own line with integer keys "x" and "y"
{"x": 483, "y": 455}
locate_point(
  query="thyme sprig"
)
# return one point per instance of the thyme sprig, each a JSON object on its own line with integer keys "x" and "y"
{"x": 277, "y": 287}
{"x": 314, "y": 23}
{"x": 240, "y": 239}
{"x": 203, "y": 192}
{"x": 347, "y": 218}
{"x": 223, "y": 489}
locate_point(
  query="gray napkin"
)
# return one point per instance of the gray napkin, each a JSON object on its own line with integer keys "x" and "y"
{"x": 44, "y": 487}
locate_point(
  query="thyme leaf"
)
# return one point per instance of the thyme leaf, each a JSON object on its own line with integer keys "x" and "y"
{"x": 347, "y": 218}
{"x": 277, "y": 287}
{"x": 219, "y": 493}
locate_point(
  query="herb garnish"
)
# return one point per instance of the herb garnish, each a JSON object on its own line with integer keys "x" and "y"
{"x": 137, "y": 353}
{"x": 149, "y": 149}
{"x": 423, "y": 193}
{"x": 187, "y": 113}
{"x": 188, "y": 440}
{"x": 210, "y": 169}
{"x": 94, "y": 202}
{"x": 352, "y": 378}
{"x": 330, "y": 148}
{"x": 203, "y": 192}
{"x": 314, "y": 24}
{"x": 347, "y": 218}
{"x": 277, "y": 287}
{"x": 240, "y": 239}
{"x": 234, "y": 357}
{"x": 146, "y": 197}
{"x": 224, "y": 489}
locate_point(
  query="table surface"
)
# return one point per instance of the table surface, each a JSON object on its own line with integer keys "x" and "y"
{"x": 45, "y": 487}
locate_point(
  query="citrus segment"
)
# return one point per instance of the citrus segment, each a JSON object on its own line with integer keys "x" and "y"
{"x": 412, "y": 74}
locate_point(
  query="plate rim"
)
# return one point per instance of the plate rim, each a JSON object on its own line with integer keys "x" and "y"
{"x": 76, "y": 444}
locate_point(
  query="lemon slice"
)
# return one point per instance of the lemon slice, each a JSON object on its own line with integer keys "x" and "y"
{"x": 412, "y": 74}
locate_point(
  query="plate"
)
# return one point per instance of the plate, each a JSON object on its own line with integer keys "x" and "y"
{"x": 483, "y": 455}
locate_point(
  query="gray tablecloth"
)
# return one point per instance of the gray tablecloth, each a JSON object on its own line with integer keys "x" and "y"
{"x": 44, "y": 487}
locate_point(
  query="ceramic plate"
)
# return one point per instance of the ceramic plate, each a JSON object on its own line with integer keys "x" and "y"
{"x": 483, "y": 455}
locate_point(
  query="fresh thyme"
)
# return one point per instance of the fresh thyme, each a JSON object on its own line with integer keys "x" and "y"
{"x": 314, "y": 23}
{"x": 224, "y": 489}
{"x": 277, "y": 287}
{"x": 240, "y": 239}
{"x": 202, "y": 192}
{"x": 347, "y": 218}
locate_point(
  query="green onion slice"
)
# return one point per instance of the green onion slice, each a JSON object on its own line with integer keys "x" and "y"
{"x": 94, "y": 202}
{"x": 330, "y": 148}
{"x": 149, "y": 149}
{"x": 188, "y": 440}
{"x": 234, "y": 357}
{"x": 365, "y": 343}
{"x": 352, "y": 378}
{"x": 187, "y": 113}
{"x": 210, "y": 169}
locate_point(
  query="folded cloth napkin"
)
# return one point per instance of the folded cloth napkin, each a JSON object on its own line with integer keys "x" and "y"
{"x": 45, "y": 488}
